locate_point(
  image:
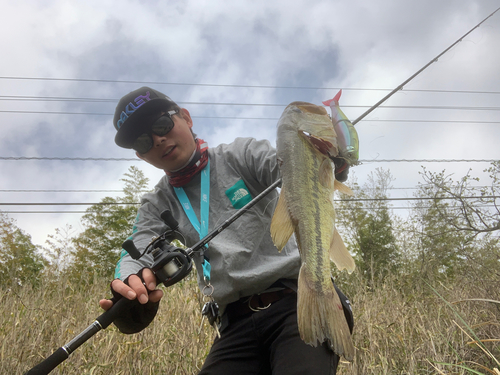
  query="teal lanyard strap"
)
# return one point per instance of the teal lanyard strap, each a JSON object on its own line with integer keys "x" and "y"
{"x": 202, "y": 228}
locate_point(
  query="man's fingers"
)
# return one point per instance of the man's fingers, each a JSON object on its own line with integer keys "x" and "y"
{"x": 105, "y": 304}
{"x": 156, "y": 295}
{"x": 138, "y": 288}
{"x": 123, "y": 289}
{"x": 149, "y": 278}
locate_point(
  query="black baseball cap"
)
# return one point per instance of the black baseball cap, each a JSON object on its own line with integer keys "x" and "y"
{"x": 136, "y": 110}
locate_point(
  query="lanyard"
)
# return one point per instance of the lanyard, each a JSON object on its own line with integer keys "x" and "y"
{"x": 202, "y": 228}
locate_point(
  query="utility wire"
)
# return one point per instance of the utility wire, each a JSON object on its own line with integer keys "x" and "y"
{"x": 107, "y": 100}
{"x": 338, "y": 208}
{"x": 448, "y": 108}
{"x": 60, "y": 191}
{"x": 239, "y": 85}
{"x": 335, "y": 200}
{"x": 18, "y": 158}
{"x": 236, "y": 85}
{"x": 146, "y": 191}
{"x": 260, "y": 118}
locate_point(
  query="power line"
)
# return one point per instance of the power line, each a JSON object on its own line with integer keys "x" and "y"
{"x": 448, "y": 108}
{"x": 435, "y": 121}
{"x": 430, "y": 161}
{"x": 237, "y": 85}
{"x": 254, "y": 118}
{"x": 45, "y": 212}
{"x": 113, "y": 100}
{"x": 335, "y": 200}
{"x": 68, "y": 204}
{"x": 39, "y": 158}
{"x": 146, "y": 191}
{"x": 337, "y": 209}
{"x": 59, "y": 191}
{"x": 67, "y": 158}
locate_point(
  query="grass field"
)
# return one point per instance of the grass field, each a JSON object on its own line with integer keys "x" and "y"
{"x": 401, "y": 327}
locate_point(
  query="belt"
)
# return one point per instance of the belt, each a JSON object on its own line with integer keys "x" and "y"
{"x": 255, "y": 303}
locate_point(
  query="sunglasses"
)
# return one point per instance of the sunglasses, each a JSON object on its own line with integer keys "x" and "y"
{"x": 160, "y": 127}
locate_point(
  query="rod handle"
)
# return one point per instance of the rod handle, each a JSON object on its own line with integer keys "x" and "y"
{"x": 102, "y": 322}
{"x": 108, "y": 317}
{"x": 50, "y": 363}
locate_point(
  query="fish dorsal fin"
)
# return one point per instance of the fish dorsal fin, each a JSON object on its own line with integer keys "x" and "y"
{"x": 342, "y": 188}
{"x": 281, "y": 223}
{"x": 339, "y": 253}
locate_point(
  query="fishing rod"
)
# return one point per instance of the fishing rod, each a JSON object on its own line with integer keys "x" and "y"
{"x": 171, "y": 264}
{"x": 419, "y": 71}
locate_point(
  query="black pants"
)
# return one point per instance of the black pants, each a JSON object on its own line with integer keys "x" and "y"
{"x": 268, "y": 342}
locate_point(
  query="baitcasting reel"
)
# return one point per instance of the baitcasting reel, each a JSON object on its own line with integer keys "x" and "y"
{"x": 171, "y": 263}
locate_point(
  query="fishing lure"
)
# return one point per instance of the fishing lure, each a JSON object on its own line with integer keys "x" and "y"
{"x": 347, "y": 136}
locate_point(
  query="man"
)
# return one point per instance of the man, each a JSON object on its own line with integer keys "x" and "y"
{"x": 253, "y": 284}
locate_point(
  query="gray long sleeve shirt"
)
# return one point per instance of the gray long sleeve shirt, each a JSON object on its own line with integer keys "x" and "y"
{"x": 243, "y": 258}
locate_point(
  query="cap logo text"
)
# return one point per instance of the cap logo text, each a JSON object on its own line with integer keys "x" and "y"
{"x": 131, "y": 108}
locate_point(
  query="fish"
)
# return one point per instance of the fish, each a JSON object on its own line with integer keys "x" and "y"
{"x": 348, "y": 141}
{"x": 306, "y": 141}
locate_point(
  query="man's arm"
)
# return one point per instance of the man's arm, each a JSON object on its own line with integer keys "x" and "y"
{"x": 134, "y": 278}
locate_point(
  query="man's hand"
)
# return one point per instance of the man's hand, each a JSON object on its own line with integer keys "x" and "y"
{"x": 135, "y": 289}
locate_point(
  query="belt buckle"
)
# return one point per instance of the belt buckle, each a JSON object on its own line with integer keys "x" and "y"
{"x": 258, "y": 307}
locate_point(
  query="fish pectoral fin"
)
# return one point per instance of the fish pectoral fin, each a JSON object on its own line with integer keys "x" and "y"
{"x": 324, "y": 143}
{"x": 342, "y": 188}
{"x": 339, "y": 253}
{"x": 281, "y": 223}
{"x": 326, "y": 176}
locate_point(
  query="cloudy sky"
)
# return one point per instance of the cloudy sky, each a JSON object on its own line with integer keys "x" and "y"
{"x": 235, "y": 65}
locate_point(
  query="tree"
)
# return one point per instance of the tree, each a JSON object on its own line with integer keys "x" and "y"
{"x": 454, "y": 223}
{"x": 470, "y": 209}
{"x": 59, "y": 250}
{"x": 107, "y": 225}
{"x": 439, "y": 245}
{"x": 369, "y": 226}
{"x": 20, "y": 261}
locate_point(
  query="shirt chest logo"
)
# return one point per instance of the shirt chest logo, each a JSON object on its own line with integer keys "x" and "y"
{"x": 238, "y": 194}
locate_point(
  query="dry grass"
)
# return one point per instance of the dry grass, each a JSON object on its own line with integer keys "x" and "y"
{"x": 34, "y": 323}
{"x": 400, "y": 329}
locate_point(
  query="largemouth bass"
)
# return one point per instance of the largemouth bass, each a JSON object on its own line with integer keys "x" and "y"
{"x": 305, "y": 143}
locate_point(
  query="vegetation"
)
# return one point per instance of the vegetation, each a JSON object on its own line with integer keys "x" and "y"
{"x": 425, "y": 294}
{"x": 20, "y": 260}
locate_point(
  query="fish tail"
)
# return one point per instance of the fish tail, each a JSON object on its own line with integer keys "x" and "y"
{"x": 335, "y": 100}
{"x": 321, "y": 317}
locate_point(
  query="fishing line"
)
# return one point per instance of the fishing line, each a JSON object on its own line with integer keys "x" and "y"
{"x": 400, "y": 87}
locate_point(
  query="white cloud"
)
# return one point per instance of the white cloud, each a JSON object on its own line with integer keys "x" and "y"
{"x": 262, "y": 43}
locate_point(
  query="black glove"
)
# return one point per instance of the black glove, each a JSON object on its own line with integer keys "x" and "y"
{"x": 136, "y": 318}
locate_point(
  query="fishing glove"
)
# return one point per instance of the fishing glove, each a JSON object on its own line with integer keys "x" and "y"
{"x": 139, "y": 316}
